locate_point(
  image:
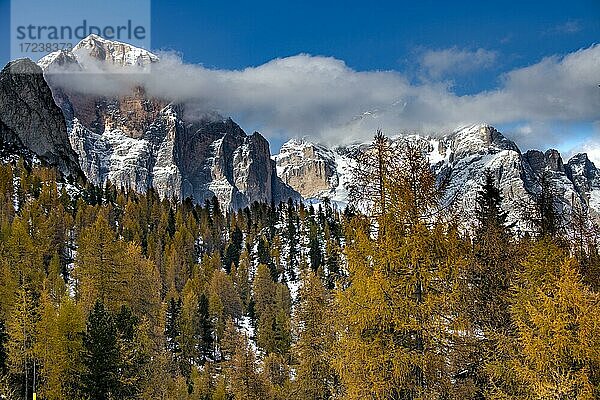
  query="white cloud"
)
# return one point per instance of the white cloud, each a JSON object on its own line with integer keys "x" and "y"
{"x": 590, "y": 145}
{"x": 542, "y": 135}
{"x": 455, "y": 61}
{"x": 569, "y": 27}
{"x": 591, "y": 148}
{"x": 324, "y": 98}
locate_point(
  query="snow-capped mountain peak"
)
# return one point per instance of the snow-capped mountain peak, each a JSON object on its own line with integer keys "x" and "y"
{"x": 460, "y": 158}
{"x": 117, "y": 53}
{"x": 478, "y": 138}
{"x": 138, "y": 141}
{"x": 95, "y": 52}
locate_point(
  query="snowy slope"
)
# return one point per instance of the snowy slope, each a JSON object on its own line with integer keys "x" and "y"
{"x": 95, "y": 52}
{"x": 461, "y": 157}
{"x": 140, "y": 142}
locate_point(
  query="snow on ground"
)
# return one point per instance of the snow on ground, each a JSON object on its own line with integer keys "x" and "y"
{"x": 294, "y": 286}
{"x": 344, "y": 167}
{"x": 16, "y": 185}
{"x": 245, "y": 327}
{"x": 594, "y": 200}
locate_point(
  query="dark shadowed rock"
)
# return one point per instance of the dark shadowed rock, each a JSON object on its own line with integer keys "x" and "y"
{"x": 551, "y": 160}
{"x": 31, "y": 124}
{"x": 583, "y": 173}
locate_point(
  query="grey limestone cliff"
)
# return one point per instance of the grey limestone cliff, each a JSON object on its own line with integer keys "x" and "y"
{"x": 31, "y": 124}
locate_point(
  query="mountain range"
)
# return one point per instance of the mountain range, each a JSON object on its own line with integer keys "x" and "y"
{"x": 139, "y": 142}
{"x": 460, "y": 159}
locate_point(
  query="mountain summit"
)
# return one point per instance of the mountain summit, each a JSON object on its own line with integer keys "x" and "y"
{"x": 460, "y": 159}
{"x": 140, "y": 142}
{"x": 103, "y": 52}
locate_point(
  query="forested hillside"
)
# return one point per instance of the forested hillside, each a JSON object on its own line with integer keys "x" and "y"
{"x": 111, "y": 294}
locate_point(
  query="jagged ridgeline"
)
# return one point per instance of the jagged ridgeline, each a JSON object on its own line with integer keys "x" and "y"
{"x": 460, "y": 160}
{"x": 141, "y": 142}
{"x": 31, "y": 124}
{"x": 144, "y": 255}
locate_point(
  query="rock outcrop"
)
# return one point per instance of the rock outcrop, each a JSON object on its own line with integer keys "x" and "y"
{"x": 307, "y": 167}
{"x": 460, "y": 159}
{"x": 140, "y": 142}
{"x": 583, "y": 173}
{"x": 31, "y": 124}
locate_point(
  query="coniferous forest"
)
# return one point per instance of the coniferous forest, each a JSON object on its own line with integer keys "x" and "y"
{"x": 111, "y": 294}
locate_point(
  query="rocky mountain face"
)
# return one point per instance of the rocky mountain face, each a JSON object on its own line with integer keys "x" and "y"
{"x": 140, "y": 142}
{"x": 309, "y": 168}
{"x": 93, "y": 49}
{"x": 460, "y": 158}
{"x": 31, "y": 124}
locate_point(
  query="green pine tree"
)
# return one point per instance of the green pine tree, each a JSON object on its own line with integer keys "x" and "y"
{"x": 204, "y": 330}
{"x": 101, "y": 358}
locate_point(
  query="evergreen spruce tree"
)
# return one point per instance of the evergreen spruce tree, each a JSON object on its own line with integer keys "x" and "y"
{"x": 134, "y": 357}
{"x": 172, "y": 326}
{"x": 292, "y": 236}
{"x": 204, "y": 332}
{"x": 315, "y": 253}
{"x": 489, "y": 212}
{"x": 233, "y": 250}
{"x": 171, "y": 222}
{"x": 546, "y": 217}
{"x": 273, "y": 218}
{"x": 333, "y": 263}
{"x": 101, "y": 357}
{"x": 486, "y": 289}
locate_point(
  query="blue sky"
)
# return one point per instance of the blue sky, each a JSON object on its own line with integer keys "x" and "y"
{"x": 374, "y": 35}
{"x": 461, "y": 48}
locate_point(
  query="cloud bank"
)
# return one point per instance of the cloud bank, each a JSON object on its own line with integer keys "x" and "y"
{"x": 455, "y": 61}
{"x": 322, "y": 97}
